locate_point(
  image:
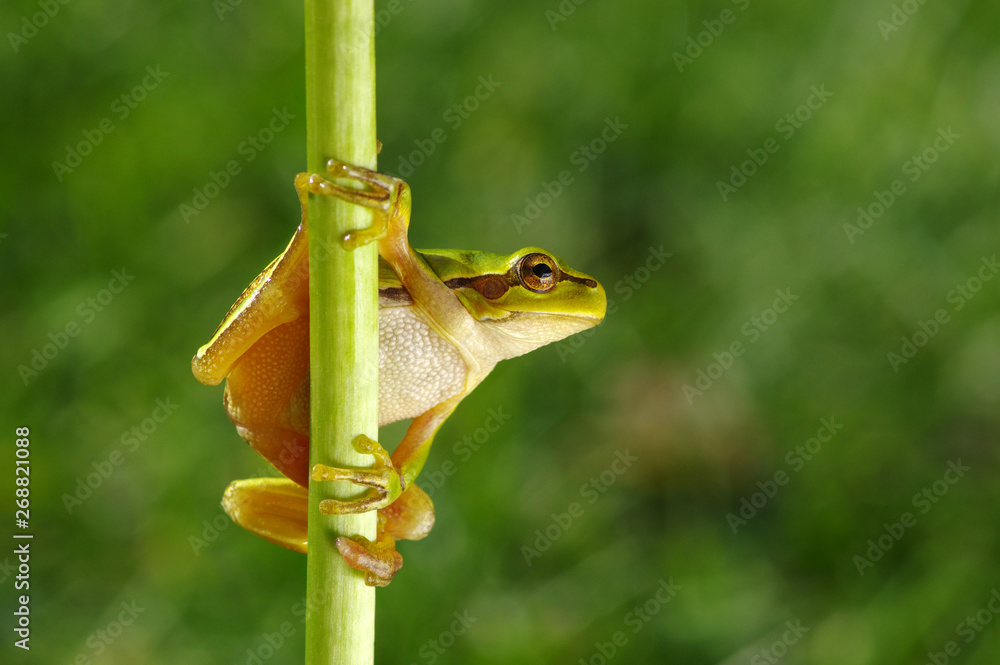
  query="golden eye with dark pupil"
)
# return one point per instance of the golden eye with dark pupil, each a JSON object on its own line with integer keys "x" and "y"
{"x": 538, "y": 272}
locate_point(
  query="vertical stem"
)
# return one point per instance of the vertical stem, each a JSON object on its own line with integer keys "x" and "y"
{"x": 343, "y": 306}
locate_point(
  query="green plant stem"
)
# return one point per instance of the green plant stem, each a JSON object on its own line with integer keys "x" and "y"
{"x": 343, "y": 306}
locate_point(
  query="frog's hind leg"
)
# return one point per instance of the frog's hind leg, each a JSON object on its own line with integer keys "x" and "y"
{"x": 273, "y": 508}
{"x": 278, "y": 295}
{"x": 267, "y": 398}
{"x": 262, "y": 348}
{"x": 277, "y": 509}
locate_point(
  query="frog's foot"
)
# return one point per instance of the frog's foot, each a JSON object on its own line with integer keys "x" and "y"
{"x": 410, "y": 517}
{"x": 273, "y": 508}
{"x": 378, "y": 560}
{"x": 383, "y": 479}
{"x": 377, "y": 191}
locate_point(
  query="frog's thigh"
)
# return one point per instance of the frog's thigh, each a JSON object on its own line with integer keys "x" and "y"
{"x": 273, "y": 508}
{"x": 279, "y": 294}
{"x": 267, "y": 398}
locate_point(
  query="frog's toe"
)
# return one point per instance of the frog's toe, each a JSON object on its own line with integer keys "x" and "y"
{"x": 383, "y": 479}
{"x": 378, "y": 560}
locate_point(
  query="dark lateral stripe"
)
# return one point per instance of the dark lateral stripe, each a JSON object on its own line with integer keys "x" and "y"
{"x": 470, "y": 282}
{"x": 464, "y": 282}
{"x": 395, "y": 294}
{"x": 579, "y": 280}
{"x": 399, "y": 294}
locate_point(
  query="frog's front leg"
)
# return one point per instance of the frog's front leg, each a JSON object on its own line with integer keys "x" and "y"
{"x": 408, "y": 515}
{"x": 383, "y": 479}
{"x": 389, "y": 198}
{"x": 390, "y": 476}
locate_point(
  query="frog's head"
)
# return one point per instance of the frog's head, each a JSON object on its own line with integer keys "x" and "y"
{"x": 527, "y": 299}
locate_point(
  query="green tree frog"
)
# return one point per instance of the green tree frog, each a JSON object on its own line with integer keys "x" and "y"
{"x": 446, "y": 318}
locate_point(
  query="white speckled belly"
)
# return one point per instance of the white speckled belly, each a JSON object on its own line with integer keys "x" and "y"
{"x": 417, "y": 368}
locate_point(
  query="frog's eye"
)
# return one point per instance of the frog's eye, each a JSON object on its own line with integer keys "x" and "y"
{"x": 538, "y": 272}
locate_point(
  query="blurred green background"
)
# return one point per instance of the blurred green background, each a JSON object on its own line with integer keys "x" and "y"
{"x": 843, "y": 99}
